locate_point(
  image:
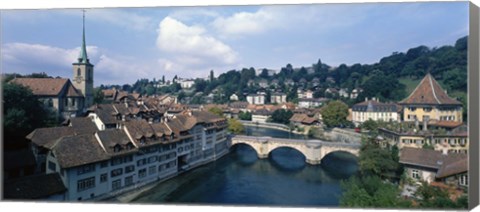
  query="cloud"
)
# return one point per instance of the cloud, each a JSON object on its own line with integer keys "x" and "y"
{"x": 27, "y": 58}
{"x": 245, "y": 23}
{"x": 121, "y": 18}
{"x": 191, "y": 47}
{"x": 288, "y": 18}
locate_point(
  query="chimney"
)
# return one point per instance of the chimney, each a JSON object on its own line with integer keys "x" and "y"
{"x": 425, "y": 123}
{"x": 416, "y": 122}
{"x": 150, "y": 120}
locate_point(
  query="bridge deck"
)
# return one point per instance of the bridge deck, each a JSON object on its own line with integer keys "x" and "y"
{"x": 296, "y": 141}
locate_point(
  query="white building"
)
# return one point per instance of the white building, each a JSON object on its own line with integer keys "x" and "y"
{"x": 234, "y": 97}
{"x": 310, "y": 102}
{"x": 186, "y": 83}
{"x": 278, "y": 98}
{"x": 261, "y": 116}
{"x": 343, "y": 93}
{"x": 256, "y": 99}
{"x": 114, "y": 161}
{"x": 376, "y": 111}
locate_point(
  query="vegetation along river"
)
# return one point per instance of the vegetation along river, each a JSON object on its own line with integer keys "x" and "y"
{"x": 240, "y": 178}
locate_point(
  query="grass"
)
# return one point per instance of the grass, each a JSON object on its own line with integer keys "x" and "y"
{"x": 409, "y": 83}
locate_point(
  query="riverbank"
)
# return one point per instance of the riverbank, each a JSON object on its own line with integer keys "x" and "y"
{"x": 131, "y": 195}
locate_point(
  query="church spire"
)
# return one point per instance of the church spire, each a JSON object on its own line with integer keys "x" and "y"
{"x": 83, "y": 58}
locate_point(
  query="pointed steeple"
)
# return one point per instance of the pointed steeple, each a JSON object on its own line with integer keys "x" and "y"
{"x": 83, "y": 58}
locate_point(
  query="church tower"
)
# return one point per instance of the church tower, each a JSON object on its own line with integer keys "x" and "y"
{"x": 83, "y": 73}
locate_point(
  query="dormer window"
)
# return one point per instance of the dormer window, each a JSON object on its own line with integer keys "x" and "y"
{"x": 142, "y": 141}
{"x": 129, "y": 146}
{"x": 117, "y": 148}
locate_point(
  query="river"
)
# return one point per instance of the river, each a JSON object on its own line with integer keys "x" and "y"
{"x": 240, "y": 178}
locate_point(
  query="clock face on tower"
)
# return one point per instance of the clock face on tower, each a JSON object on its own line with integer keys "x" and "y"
{"x": 79, "y": 79}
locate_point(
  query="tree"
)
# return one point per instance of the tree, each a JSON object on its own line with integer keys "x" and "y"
{"x": 216, "y": 111}
{"x": 335, "y": 114}
{"x": 245, "y": 116}
{"x": 264, "y": 73}
{"x": 212, "y": 77}
{"x": 281, "y": 116}
{"x": 434, "y": 197}
{"x": 370, "y": 125}
{"x": 235, "y": 126}
{"x": 377, "y": 161}
{"x": 98, "y": 96}
{"x": 22, "y": 114}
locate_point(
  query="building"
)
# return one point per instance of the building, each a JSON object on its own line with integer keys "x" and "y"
{"x": 57, "y": 94}
{"x": 261, "y": 115}
{"x": 67, "y": 98}
{"x": 44, "y": 187}
{"x": 429, "y": 101}
{"x": 343, "y": 92}
{"x": 355, "y": 93}
{"x": 445, "y": 141}
{"x": 278, "y": 98}
{"x": 376, "y": 111}
{"x": 302, "y": 120}
{"x": 310, "y": 102}
{"x": 256, "y": 99}
{"x": 433, "y": 166}
{"x": 186, "y": 83}
{"x": 137, "y": 153}
{"x": 233, "y": 97}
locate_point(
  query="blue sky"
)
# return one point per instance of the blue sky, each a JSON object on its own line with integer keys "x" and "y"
{"x": 126, "y": 44}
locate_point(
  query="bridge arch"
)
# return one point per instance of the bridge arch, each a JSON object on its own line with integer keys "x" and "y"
{"x": 313, "y": 150}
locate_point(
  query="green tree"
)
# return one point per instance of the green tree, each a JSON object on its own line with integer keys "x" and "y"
{"x": 245, "y": 116}
{"x": 374, "y": 160}
{"x": 98, "y": 96}
{"x": 370, "y": 125}
{"x": 235, "y": 126}
{"x": 22, "y": 113}
{"x": 281, "y": 116}
{"x": 335, "y": 114}
{"x": 216, "y": 111}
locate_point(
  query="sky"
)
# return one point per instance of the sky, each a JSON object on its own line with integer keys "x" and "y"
{"x": 126, "y": 44}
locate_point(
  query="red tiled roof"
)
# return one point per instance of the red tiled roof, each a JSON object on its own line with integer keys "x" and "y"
{"x": 428, "y": 91}
{"x": 46, "y": 86}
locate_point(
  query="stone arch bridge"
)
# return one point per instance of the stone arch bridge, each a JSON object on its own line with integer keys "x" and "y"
{"x": 313, "y": 150}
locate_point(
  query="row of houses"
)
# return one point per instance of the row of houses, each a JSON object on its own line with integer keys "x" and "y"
{"x": 92, "y": 162}
{"x": 428, "y": 129}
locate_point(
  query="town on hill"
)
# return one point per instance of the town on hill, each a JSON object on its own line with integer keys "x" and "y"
{"x": 78, "y": 142}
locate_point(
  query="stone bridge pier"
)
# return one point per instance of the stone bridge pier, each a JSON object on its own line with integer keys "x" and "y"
{"x": 313, "y": 150}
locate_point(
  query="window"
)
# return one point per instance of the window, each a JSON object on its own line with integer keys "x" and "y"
{"x": 85, "y": 184}
{"x": 415, "y": 174}
{"x": 129, "y": 169}
{"x": 52, "y": 166}
{"x": 152, "y": 170}
{"x": 152, "y": 159}
{"x": 103, "y": 177}
{"x": 116, "y": 172}
{"x": 128, "y": 180}
{"x": 463, "y": 180}
{"x": 79, "y": 72}
{"x": 50, "y": 102}
{"x": 142, "y": 162}
{"x": 142, "y": 173}
{"x": 86, "y": 169}
{"x": 117, "y": 184}
{"x": 73, "y": 102}
{"x": 104, "y": 164}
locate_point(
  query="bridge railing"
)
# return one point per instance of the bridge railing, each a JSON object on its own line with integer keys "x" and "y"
{"x": 297, "y": 141}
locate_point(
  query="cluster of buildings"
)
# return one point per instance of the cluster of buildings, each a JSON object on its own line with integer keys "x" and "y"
{"x": 428, "y": 129}
{"x": 102, "y": 150}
